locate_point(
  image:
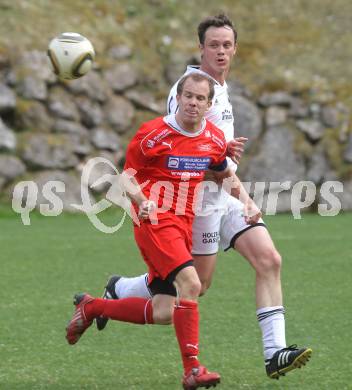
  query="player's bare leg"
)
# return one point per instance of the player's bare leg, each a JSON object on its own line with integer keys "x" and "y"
{"x": 205, "y": 267}
{"x": 258, "y": 248}
{"x": 163, "y": 309}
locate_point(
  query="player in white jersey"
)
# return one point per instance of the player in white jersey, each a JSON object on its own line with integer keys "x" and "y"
{"x": 231, "y": 224}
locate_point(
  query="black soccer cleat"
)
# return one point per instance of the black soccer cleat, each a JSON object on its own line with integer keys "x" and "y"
{"x": 109, "y": 293}
{"x": 287, "y": 359}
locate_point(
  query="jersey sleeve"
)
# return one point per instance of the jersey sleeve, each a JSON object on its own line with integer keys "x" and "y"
{"x": 219, "y": 162}
{"x": 137, "y": 155}
{"x": 220, "y": 166}
{"x": 134, "y": 157}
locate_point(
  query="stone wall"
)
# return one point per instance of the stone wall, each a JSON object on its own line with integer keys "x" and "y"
{"x": 49, "y": 129}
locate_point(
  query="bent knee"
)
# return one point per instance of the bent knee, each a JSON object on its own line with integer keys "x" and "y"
{"x": 269, "y": 260}
{"x": 194, "y": 288}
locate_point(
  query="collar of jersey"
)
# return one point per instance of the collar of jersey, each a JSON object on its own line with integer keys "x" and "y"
{"x": 170, "y": 120}
{"x": 196, "y": 69}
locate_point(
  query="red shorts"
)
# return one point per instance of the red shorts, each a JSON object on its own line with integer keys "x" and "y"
{"x": 164, "y": 246}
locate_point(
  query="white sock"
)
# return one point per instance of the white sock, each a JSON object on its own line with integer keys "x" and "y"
{"x": 133, "y": 287}
{"x": 272, "y": 323}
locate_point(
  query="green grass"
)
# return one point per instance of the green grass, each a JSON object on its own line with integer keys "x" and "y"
{"x": 42, "y": 265}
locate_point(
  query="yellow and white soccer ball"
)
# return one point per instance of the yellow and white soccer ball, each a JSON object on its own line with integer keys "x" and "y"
{"x": 71, "y": 55}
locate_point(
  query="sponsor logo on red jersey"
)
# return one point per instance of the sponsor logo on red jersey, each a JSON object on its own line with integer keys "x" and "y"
{"x": 150, "y": 143}
{"x": 188, "y": 163}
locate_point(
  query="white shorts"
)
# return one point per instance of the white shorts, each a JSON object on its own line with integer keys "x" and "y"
{"x": 222, "y": 227}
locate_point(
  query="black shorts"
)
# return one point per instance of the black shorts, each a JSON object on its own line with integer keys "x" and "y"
{"x": 166, "y": 286}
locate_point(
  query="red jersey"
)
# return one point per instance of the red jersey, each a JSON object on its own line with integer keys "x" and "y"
{"x": 170, "y": 162}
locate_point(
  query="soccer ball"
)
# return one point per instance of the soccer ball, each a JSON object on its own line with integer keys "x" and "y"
{"x": 71, "y": 55}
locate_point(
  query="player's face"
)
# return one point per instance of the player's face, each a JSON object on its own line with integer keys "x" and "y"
{"x": 217, "y": 51}
{"x": 193, "y": 103}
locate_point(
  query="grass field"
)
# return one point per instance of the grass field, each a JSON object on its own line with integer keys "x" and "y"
{"x": 42, "y": 265}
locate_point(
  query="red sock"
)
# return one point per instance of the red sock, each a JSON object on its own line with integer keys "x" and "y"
{"x": 186, "y": 323}
{"x": 135, "y": 310}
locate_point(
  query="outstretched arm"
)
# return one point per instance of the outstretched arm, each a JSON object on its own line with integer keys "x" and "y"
{"x": 233, "y": 185}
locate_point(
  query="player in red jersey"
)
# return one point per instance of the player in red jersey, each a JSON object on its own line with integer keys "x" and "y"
{"x": 170, "y": 156}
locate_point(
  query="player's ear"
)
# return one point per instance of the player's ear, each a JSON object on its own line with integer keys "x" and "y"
{"x": 235, "y": 49}
{"x": 201, "y": 48}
